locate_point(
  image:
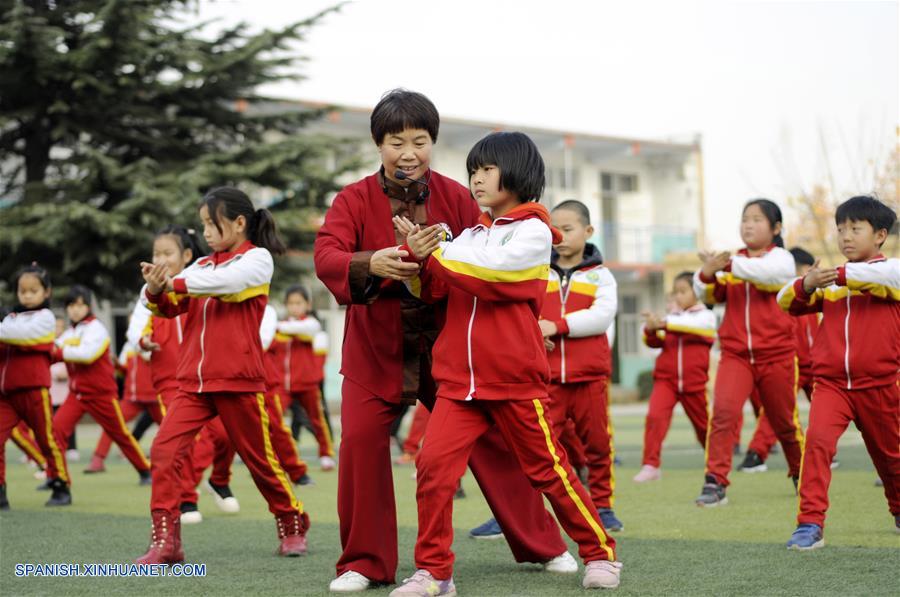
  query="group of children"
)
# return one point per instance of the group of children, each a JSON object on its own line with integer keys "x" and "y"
{"x": 525, "y": 349}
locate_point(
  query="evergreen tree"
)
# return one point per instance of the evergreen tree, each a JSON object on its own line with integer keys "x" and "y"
{"x": 115, "y": 117}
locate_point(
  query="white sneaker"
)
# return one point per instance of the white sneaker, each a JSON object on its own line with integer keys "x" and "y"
{"x": 349, "y": 582}
{"x": 327, "y": 463}
{"x": 191, "y": 517}
{"x": 601, "y": 574}
{"x": 564, "y": 563}
{"x": 228, "y": 504}
{"x": 647, "y": 473}
{"x": 40, "y": 475}
{"x": 73, "y": 455}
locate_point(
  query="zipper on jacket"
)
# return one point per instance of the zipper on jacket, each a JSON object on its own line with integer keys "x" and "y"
{"x": 563, "y": 297}
{"x": 469, "y": 347}
{"x": 747, "y": 321}
{"x": 680, "y": 368}
{"x": 847, "y": 344}
{"x": 202, "y": 347}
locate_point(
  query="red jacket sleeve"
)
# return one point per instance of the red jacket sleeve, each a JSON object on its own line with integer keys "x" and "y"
{"x": 339, "y": 265}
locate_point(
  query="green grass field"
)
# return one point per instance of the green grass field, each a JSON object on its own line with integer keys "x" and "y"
{"x": 669, "y": 546}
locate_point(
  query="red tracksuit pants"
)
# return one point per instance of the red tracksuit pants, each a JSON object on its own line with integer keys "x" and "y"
{"x": 735, "y": 380}
{"x": 282, "y": 441}
{"x": 105, "y": 409}
{"x": 23, "y": 437}
{"x": 586, "y": 404}
{"x": 525, "y": 425}
{"x": 368, "y": 518}
{"x": 246, "y": 421}
{"x": 876, "y": 413}
{"x": 573, "y": 446}
{"x": 663, "y": 399}
{"x": 764, "y": 437}
{"x": 416, "y": 430}
{"x": 310, "y": 400}
{"x": 130, "y": 409}
{"x": 33, "y": 407}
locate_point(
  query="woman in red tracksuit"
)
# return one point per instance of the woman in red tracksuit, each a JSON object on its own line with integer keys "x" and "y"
{"x": 220, "y": 370}
{"x": 490, "y": 361}
{"x": 303, "y": 370}
{"x": 681, "y": 372}
{"x": 26, "y": 343}
{"x": 92, "y": 386}
{"x": 757, "y": 338}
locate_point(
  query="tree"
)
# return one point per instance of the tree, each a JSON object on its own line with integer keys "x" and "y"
{"x": 115, "y": 118}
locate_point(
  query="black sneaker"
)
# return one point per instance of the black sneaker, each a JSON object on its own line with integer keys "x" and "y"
{"x": 4, "y": 503}
{"x": 45, "y": 486}
{"x": 460, "y": 493}
{"x": 145, "y": 478}
{"x": 713, "y": 494}
{"x": 753, "y": 463}
{"x": 796, "y": 480}
{"x": 305, "y": 480}
{"x": 61, "y": 495}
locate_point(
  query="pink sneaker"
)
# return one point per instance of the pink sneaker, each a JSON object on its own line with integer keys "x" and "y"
{"x": 422, "y": 584}
{"x": 647, "y": 473}
{"x": 601, "y": 574}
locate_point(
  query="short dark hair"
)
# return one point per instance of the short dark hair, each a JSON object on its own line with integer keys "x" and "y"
{"x": 297, "y": 289}
{"x": 78, "y": 291}
{"x": 401, "y": 109}
{"x": 772, "y": 213}
{"x": 185, "y": 237}
{"x": 865, "y": 208}
{"x": 33, "y": 270}
{"x": 520, "y": 163}
{"x": 580, "y": 209}
{"x": 686, "y": 276}
{"x": 802, "y": 256}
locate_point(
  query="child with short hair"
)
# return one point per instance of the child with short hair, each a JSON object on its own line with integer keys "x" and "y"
{"x": 685, "y": 336}
{"x": 579, "y": 308}
{"x": 855, "y": 374}
{"x": 490, "y": 363}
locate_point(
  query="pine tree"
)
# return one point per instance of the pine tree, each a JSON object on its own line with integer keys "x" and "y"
{"x": 115, "y": 117}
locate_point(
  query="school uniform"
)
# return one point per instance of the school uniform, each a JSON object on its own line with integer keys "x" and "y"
{"x": 679, "y": 376}
{"x": 221, "y": 372}
{"x": 386, "y": 360}
{"x": 490, "y": 366}
{"x": 84, "y": 347}
{"x": 582, "y": 303}
{"x": 758, "y": 351}
{"x": 26, "y": 343}
{"x": 856, "y": 376}
{"x": 303, "y": 375}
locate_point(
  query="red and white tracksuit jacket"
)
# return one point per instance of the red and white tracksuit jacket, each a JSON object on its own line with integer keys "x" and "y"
{"x": 138, "y": 385}
{"x": 583, "y": 307}
{"x": 303, "y": 369}
{"x": 754, "y": 327}
{"x": 26, "y": 342}
{"x": 224, "y": 295}
{"x": 685, "y": 341}
{"x": 491, "y": 347}
{"x": 85, "y": 349}
{"x": 856, "y": 360}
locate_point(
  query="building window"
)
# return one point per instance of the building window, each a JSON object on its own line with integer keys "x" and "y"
{"x": 557, "y": 179}
{"x": 614, "y": 183}
{"x": 629, "y": 325}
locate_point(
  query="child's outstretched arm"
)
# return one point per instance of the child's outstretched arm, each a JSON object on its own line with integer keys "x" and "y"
{"x": 245, "y": 277}
{"x": 420, "y": 244}
{"x": 267, "y": 327}
{"x": 694, "y": 326}
{"x": 707, "y": 285}
{"x": 881, "y": 279}
{"x": 89, "y": 347}
{"x": 138, "y": 323}
{"x": 302, "y": 329}
{"x": 156, "y": 295}
{"x": 597, "y": 318}
{"x": 30, "y": 331}
{"x": 768, "y": 273}
{"x": 805, "y": 295}
{"x": 654, "y": 330}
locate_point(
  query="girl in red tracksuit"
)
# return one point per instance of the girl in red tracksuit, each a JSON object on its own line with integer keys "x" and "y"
{"x": 26, "y": 343}
{"x": 490, "y": 362}
{"x": 92, "y": 386}
{"x": 138, "y": 395}
{"x": 220, "y": 371}
{"x": 681, "y": 372}
{"x": 856, "y": 359}
{"x": 303, "y": 370}
{"x": 757, "y": 339}
{"x": 579, "y": 309}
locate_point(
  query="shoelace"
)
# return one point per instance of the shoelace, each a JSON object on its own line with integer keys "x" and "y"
{"x": 420, "y": 575}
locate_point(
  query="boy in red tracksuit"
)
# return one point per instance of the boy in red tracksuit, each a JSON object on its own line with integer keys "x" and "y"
{"x": 92, "y": 386}
{"x": 856, "y": 359}
{"x": 579, "y": 308}
{"x": 681, "y": 372}
{"x": 489, "y": 361}
{"x": 303, "y": 372}
{"x": 26, "y": 343}
{"x": 807, "y": 326}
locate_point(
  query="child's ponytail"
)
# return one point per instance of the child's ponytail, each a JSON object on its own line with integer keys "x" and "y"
{"x": 231, "y": 203}
{"x": 262, "y": 232}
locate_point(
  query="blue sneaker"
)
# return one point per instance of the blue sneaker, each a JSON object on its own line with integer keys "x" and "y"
{"x": 489, "y": 530}
{"x": 609, "y": 520}
{"x": 806, "y": 537}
